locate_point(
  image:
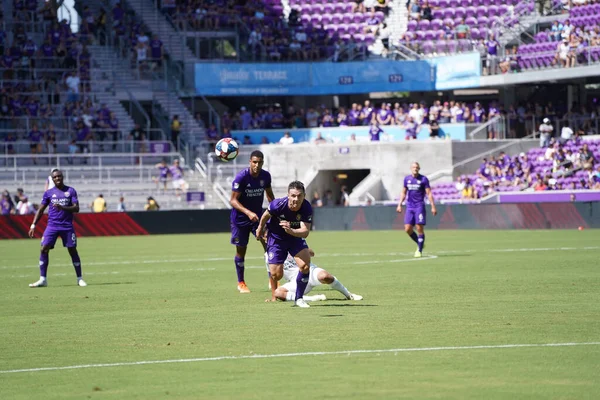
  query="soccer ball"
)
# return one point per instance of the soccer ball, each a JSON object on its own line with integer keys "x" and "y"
{"x": 227, "y": 149}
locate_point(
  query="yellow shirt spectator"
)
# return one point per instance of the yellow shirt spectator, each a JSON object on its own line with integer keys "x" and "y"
{"x": 99, "y": 205}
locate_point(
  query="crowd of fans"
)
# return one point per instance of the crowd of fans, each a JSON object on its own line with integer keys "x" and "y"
{"x": 565, "y": 163}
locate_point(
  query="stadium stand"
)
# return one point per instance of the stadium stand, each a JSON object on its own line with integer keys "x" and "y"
{"x": 563, "y": 165}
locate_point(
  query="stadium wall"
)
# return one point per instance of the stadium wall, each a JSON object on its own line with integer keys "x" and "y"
{"x": 462, "y": 216}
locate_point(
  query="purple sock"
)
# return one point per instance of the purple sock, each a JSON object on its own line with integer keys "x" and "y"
{"x": 421, "y": 242}
{"x": 44, "y": 261}
{"x": 239, "y": 268}
{"x": 76, "y": 264}
{"x": 301, "y": 284}
{"x": 414, "y": 237}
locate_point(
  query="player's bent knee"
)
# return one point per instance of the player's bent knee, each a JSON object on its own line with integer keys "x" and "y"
{"x": 325, "y": 277}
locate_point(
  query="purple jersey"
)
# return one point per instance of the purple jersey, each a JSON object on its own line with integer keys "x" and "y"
{"x": 4, "y": 207}
{"x": 164, "y": 171}
{"x": 176, "y": 172}
{"x": 478, "y": 114}
{"x": 354, "y": 115}
{"x": 374, "y": 132}
{"x": 252, "y": 194}
{"x": 280, "y": 211}
{"x": 415, "y": 189}
{"x": 60, "y": 218}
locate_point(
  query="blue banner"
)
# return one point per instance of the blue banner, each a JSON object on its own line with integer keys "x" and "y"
{"x": 459, "y": 71}
{"x": 220, "y": 79}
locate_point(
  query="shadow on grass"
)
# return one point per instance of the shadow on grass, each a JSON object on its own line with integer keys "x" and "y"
{"x": 99, "y": 284}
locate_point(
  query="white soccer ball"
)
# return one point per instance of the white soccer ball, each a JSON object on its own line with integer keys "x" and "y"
{"x": 227, "y": 149}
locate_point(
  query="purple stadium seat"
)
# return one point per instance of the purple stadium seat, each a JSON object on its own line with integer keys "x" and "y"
{"x": 440, "y": 47}
{"x": 459, "y": 12}
{"x": 336, "y": 18}
{"x": 326, "y": 19}
{"x": 444, "y": 3}
{"x": 424, "y": 24}
{"x": 492, "y": 11}
{"x": 437, "y": 14}
{"x": 429, "y": 35}
{"x": 359, "y": 18}
{"x": 476, "y": 34}
{"x": 471, "y": 21}
{"x": 502, "y": 9}
{"x": 452, "y": 46}
{"x": 427, "y": 47}
{"x": 448, "y": 13}
{"x": 328, "y": 9}
{"x": 457, "y": 21}
{"x": 481, "y": 11}
{"x": 454, "y": 3}
{"x": 470, "y": 12}
{"x": 412, "y": 25}
{"x": 436, "y": 24}
{"x": 347, "y": 18}
{"x": 483, "y": 21}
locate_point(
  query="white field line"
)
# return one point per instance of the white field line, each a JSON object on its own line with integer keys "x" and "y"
{"x": 154, "y": 271}
{"x": 323, "y": 255}
{"x": 290, "y": 355}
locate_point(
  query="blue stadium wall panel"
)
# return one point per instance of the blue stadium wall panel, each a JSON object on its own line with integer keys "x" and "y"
{"x": 473, "y": 216}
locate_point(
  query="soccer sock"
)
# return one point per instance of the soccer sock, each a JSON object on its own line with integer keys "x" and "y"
{"x": 414, "y": 237}
{"x": 267, "y": 263}
{"x": 301, "y": 284}
{"x": 44, "y": 261}
{"x": 337, "y": 285}
{"x": 77, "y": 265}
{"x": 239, "y": 268}
{"x": 290, "y": 296}
{"x": 421, "y": 242}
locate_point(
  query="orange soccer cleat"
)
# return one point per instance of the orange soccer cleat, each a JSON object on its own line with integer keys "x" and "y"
{"x": 243, "y": 288}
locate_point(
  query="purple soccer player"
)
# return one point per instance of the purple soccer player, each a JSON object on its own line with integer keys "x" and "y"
{"x": 416, "y": 186}
{"x": 288, "y": 220}
{"x": 247, "y": 195}
{"x": 64, "y": 203}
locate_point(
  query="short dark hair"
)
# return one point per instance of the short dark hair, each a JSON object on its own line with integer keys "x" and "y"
{"x": 257, "y": 153}
{"x": 297, "y": 185}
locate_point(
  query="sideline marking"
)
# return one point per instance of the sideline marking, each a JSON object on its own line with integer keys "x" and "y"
{"x": 284, "y": 355}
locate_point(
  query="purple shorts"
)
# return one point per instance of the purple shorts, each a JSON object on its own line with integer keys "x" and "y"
{"x": 278, "y": 249}
{"x": 241, "y": 234}
{"x": 415, "y": 216}
{"x": 51, "y": 234}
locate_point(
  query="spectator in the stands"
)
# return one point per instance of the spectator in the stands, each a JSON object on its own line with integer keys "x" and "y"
{"x": 545, "y": 130}
{"x": 286, "y": 139}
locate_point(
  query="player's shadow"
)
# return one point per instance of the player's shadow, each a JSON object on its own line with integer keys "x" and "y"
{"x": 454, "y": 255}
{"x": 101, "y": 284}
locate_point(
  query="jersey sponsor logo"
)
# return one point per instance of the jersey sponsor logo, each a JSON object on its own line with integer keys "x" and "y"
{"x": 262, "y": 182}
{"x": 298, "y": 217}
{"x": 54, "y": 196}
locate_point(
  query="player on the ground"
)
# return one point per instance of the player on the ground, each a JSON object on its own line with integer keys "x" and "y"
{"x": 247, "y": 195}
{"x": 416, "y": 186}
{"x": 318, "y": 276}
{"x": 63, "y": 204}
{"x": 288, "y": 220}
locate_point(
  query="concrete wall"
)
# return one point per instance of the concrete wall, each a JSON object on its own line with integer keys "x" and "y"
{"x": 389, "y": 160}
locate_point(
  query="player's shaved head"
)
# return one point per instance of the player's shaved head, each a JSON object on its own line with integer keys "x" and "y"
{"x": 257, "y": 153}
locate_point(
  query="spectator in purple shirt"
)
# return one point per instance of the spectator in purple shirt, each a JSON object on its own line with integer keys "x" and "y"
{"x": 354, "y": 115}
{"x": 212, "y": 134}
{"x": 327, "y": 120}
{"x": 35, "y": 141}
{"x": 50, "y": 138}
{"x": 384, "y": 116}
{"x": 342, "y": 117}
{"x": 478, "y": 113}
{"x": 375, "y": 130}
{"x": 411, "y": 129}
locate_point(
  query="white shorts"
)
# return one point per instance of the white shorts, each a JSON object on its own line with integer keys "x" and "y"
{"x": 178, "y": 183}
{"x": 313, "y": 280}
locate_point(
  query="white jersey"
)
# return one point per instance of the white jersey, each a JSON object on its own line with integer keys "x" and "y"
{"x": 290, "y": 272}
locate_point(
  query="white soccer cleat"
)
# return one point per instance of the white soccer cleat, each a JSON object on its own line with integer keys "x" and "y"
{"x": 316, "y": 297}
{"x": 418, "y": 254}
{"x": 301, "y": 303}
{"x": 81, "y": 282}
{"x": 355, "y": 297}
{"x": 40, "y": 283}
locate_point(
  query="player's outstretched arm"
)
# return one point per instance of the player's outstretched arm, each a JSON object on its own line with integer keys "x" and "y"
{"x": 402, "y": 198}
{"x": 36, "y": 218}
{"x": 430, "y": 197}
{"x": 260, "y": 231}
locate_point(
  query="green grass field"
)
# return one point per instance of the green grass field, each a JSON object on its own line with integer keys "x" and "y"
{"x": 174, "y": 298}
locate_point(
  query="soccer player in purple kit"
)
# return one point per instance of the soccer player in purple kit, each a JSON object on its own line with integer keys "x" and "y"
{"x": 288, "y": 220}
{"x": 416, "y": 187}
{"x": 247, "y": 194}
{"x": 63, "y": 204}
